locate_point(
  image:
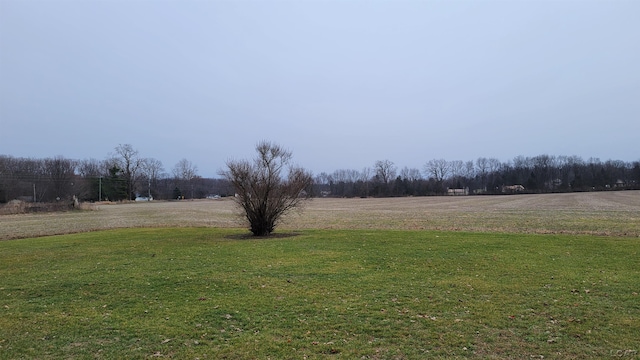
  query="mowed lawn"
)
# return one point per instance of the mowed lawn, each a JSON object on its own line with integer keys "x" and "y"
{"x": 207, "y": 293}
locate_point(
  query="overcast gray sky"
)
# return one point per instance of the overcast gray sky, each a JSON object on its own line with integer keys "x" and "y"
{"x": 339, "y": 83}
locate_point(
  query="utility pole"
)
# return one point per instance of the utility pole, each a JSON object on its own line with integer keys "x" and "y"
{"x": 34, "y": 192}
{"x": 100, "y": 190}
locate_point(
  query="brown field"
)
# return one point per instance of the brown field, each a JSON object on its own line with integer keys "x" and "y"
{"x": 615, "y": 213}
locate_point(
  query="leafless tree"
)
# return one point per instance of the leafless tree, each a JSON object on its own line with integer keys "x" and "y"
{"x": 365, "y": 176}
{"x": 494, "y": 164}
{"x": 89, "y": 168}
{"x": 185, "y": 172}
{"x": 385, "y": 170}
{"x": 7, "y": 180}
{"x": 385, "y": 174}
{"x": 457, "y": 168}
{"x": 129, "y": 162}
{"x": 262, "y": 191}
{"x": 410, "y": 174}
{"x": 482, "y": 168}
{"x": 152, "y": 168}
{"x": 322, "y": 178}
{"x": 438, "y": 169}
{"x": 90, "y": 172}
{"x": 469, "y": 171}
{"x": 60, "y": 173}
{"x": 322, "y": 183}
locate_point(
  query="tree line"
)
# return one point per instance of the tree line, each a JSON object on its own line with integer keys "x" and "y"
{"x": 125, "y": 175}
{"x": 539, "y": 174}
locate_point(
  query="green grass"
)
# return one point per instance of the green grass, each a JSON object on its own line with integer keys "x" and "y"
{"x": 209, "y": 294}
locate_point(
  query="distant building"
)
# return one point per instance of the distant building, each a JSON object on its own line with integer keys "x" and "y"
{"x": 455, "y": 192}
{"x": 512, "y": 188}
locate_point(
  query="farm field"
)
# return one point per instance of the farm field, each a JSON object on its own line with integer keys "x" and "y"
{"x": 526, "y": 276}
{"x": 599, "y": 213}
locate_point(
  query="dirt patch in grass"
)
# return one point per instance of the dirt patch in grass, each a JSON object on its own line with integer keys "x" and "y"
{"x": 598, "y": 213}
{"x": 249, "y": 236}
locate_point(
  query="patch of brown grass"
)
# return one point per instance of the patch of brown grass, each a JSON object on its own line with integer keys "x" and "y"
{"x": 598, "y": 213}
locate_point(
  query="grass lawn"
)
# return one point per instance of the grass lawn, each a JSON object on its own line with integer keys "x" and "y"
{"x": 206, "y": 293}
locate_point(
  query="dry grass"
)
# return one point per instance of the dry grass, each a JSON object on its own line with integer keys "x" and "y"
{"x": 599, "y": 213}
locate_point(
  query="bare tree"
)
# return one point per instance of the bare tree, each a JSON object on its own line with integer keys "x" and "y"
{"x": 262, "y": 191}
{"x": 184, "y": 173}
{"x": 494, "y": 164}
{"x": 322, "y": 178}
{"x": 89, "y": 184}
{"x": 8, "y": 180}
{"x": 89, "y": 168}
{"x": 365, "y": 176}
{"x": 410, "y": 174}
{"x": 438, "y": 169}
{"x": 469, "y": 171}
{"x": 385, "y": 173}
{"x": 482, "y": 169}
{"x": 129, "y": 162}
{"x": 185, "y": 170}
{"x": 60, "y": 173}
{"x": 385, "y": 170}
{"x": 457, "y": 168}
{"x": 152, "y": 168}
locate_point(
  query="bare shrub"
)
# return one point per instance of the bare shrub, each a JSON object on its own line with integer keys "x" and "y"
{"x": 13, "y": 207}
{"x": 264, "y": 194}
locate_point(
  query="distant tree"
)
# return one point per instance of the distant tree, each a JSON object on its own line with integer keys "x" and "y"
{"x": 322, "y": 184}
{"x": 544, "y": 168}
{"x": 410, "y": 174}
{"x": 60, "y": 173}
{"x": 409, "y": 178}
{"x": 177, "y": 194}
{"x": 482, "y": 171}
{"x": 456, "y": 168}
{"x": 90, "y": 172}
{"x": 185, "y": 172}
{"x": 469, "y": 170}
{"x": 339, "y": 183}
{"x": 5, "y": 173}
{"x": 495, "y": 179}
{"x": 385, "y": 173}
{"x": 438, "y": 170}
{"x": 129, "y": 162}
{"x": 263, "y": 192}
{"x": 385, "y": 170}
{"x": 114, "y": 186}
{"x": 635, "y": 174}
{"x": 152, "y": 168}
{"x": 365, "y": 177}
